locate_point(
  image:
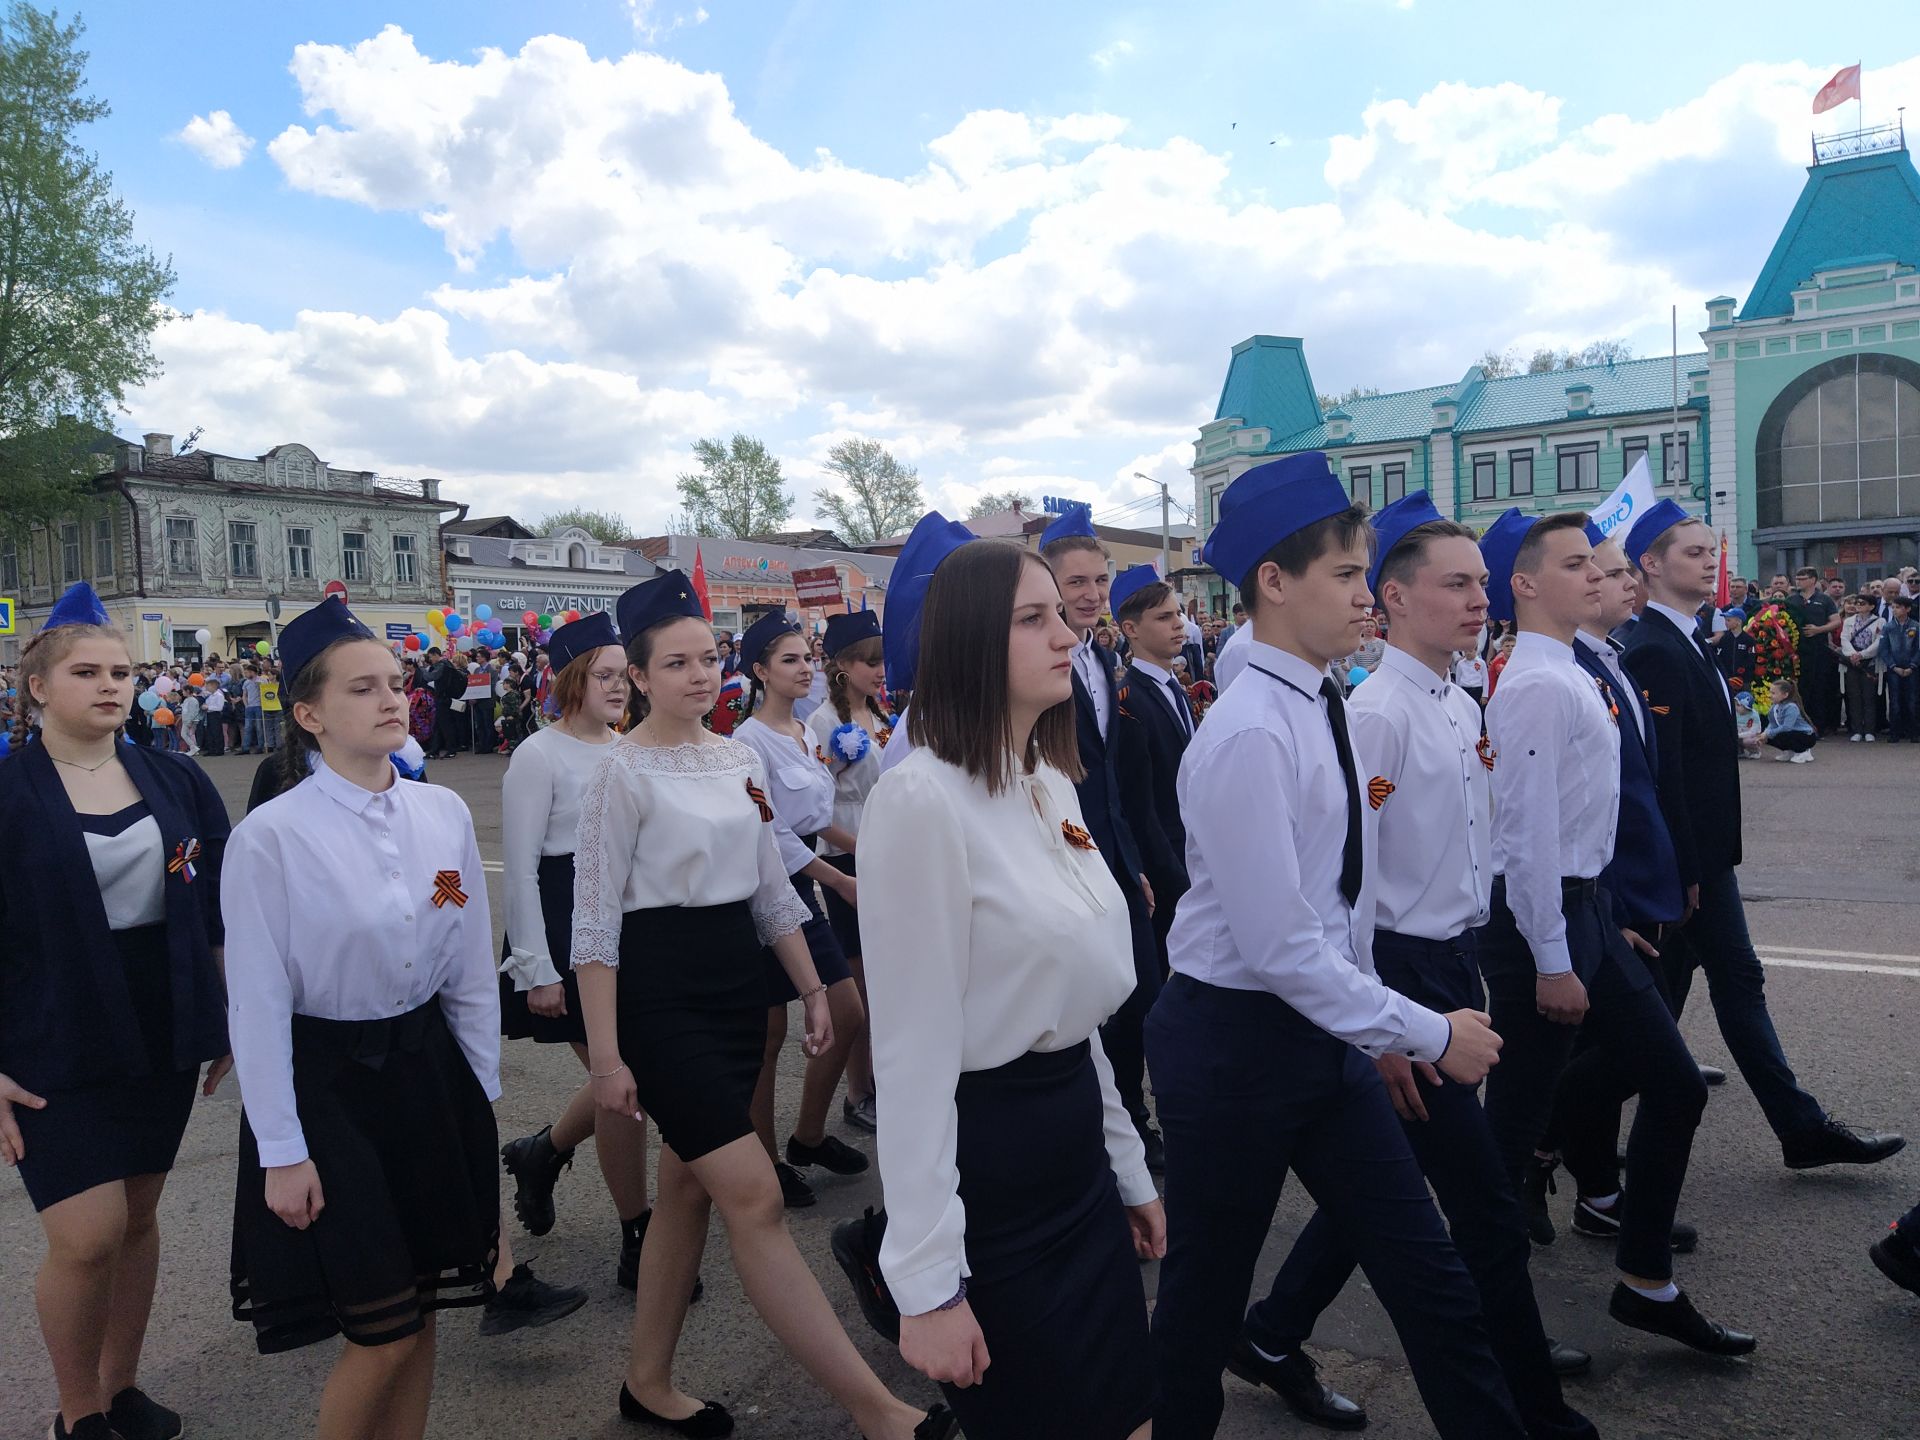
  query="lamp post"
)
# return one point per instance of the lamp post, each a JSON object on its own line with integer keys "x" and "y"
{"x": 1166, "y": 544}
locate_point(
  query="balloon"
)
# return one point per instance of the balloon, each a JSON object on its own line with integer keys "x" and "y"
{"x": 196, "y": 679}
{"x": 1357, "y": 674}
{"x": 435, "y": 619}
{"x": 483, "y": 612}
{"x": 203, "y": 637}
{"x": 455, "y": 624}
{"x": 261, "y": 647}
{"x": 572, "y": 615}
{"x": 165, "y": 685}
{"x": 546, "y": 621}
{"x": 163, "y": 716}
{"x": 149, "y": 701}
{"x": 530, "y": 619}
{"x": 412, "y": 642}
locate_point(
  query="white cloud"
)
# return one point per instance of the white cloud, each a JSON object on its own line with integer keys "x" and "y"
{"x": 651, "y": 27}
{"x": 216, "y": 139}
{"x": 1107, "y": 56}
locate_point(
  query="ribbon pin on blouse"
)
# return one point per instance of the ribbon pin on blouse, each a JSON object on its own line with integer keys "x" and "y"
{"x": 184, "y": 854}
{"x": 1487, "y": 753}
{"x": 1378, "y": 789}
{"x": 759, "y": 798}
{"x": 446, "y": 890}
{"x": 1076, "y": 837}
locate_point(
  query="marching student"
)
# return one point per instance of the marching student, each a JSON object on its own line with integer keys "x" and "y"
{"x": 1699, "y": 782}
{"x": 1553, "y": 953}
{"x": 1013, "y": 1174}
{"x": 1262, "y": 1043}
{"x": 678, "y": 886}
{"x": 1148, "y": 613}
{"x": 365, "y": 1018}
{"x": 801, "y": 789}
{"x": 110, "y": 1001}
{"x": 1420, "y": 735}
{"x": 1108, "y": 744}
{"x": 852, "y": 729}
{"x": 540, "y": 799}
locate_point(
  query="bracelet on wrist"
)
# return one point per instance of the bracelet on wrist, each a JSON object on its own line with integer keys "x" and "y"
{"x": 606, "y": 1074}
{"x": 819, "y": 989}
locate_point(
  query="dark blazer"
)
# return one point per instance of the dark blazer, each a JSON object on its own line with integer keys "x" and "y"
{"x": 1698, "y": 762}
{"x": 66, "y": 1016}
{"x": 1099, "y": 788}
{"x": 1643, "y": 877}
{"x": 1164, "y": 741}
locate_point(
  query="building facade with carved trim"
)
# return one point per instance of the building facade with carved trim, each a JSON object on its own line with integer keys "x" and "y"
{"x": 180, "y": 543}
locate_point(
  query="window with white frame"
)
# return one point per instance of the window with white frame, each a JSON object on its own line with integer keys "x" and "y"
{"x": 10, "y": 566}
{"x": 1360, "y": 483}
{"x": 1674, "y": 462}
{"x": 103, "y": 546}
{"x": 1519, "y": 472}
{"x": 69, "y": 553}
{"x": 243, "y": 549}
{"x": 1579, "y": 467}
{"x": 299, "y": 552}
{"x": 1483, "y": 471}
{"x": 1631, "y": 453}
{"x": 353, "y": 555}
{"x": 183, "y": 545}
{"x": 406, "y": 561}
{"x": 1393, "y": 479}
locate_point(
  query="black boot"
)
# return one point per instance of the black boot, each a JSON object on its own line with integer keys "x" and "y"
{"x": 535, "y": 1166}
{"x": 1538, "y": 1184}
{"x": 633, "y": 1235}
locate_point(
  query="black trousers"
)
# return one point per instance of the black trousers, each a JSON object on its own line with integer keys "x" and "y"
{"x": 1248, "y": 1089}
{"x": 1626, "y": 1019}
{"x": 1455, "y": 1150}
{"x": 1121, "y": 1036}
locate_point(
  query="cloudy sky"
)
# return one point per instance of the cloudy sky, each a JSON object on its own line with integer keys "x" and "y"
{"x": 539, "y": 249}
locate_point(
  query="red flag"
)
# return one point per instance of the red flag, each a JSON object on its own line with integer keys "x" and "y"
{"x": 1845, "y": 85}
{"x": 1721, "y": 596}
{"x": 700, "y": 584}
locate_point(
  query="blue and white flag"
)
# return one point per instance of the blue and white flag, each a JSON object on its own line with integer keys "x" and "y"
{"x": 1634, "y": 497}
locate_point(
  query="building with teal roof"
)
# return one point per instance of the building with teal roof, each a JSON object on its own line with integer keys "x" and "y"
{"x": 1796, "y": 432}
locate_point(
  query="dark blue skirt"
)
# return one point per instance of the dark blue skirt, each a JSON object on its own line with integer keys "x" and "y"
{"x": 829, "y": 960}
{"x": 517, "y": 1022}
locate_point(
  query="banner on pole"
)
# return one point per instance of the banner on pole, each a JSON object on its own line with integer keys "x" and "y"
{"x": 819, "y": 586}
{"x": 1632, "y": 499}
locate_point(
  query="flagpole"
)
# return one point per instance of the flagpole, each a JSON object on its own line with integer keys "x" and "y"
{"x": 1672, "y": 479}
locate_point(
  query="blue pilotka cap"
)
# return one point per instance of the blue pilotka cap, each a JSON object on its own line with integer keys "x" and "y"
{"x": 932, "y": 540}
{"x": 1393, "y": 524}
{"x": 1267, "y": 504}
{"x": 1500, "y": 547}
{"x": 305, "y": 636}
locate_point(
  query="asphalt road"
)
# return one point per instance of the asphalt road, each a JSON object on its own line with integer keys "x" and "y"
{"x": 1834, "y": 901}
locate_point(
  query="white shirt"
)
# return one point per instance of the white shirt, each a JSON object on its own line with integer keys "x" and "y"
{"x": 1421, "y": 735}
{"x": 1195, "y": 635}
{"x": 998, "y": 937}
{"x": 852, "y": 780}
{"x": 800, "y": 787}
{"x": 674, "y": 825}
{"x": 131, "y": 870}
{"x": 539, "y": 815}
{"x": 900, "y": 746}
{"x": 327, "y": 892}
{"x": 816, "y": 694}
{"x": 1231, "y": 658}
{"x": 1470, "y": 670}
{"x": 1090, "y": 667}
{"x": 1602, "y": 649}
{"x": 1556, "y": 787}
{"x": 1265, "y": 805}
{"x": 1161, "y": 679}
{"x": 1685, "y": 623}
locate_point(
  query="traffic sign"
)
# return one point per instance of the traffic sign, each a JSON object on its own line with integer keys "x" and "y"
{"x": 7, "y": 604}
{"x": 335, "y": 587}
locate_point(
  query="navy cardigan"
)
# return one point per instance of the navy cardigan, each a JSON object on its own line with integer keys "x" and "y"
{"x": 66, "y": 1017}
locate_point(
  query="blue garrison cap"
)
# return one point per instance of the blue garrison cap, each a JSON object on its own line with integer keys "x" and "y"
{"x": 668, "y": 596}
{"x": 1661, "y": 517}
{"x": 1074, "y": 520}
{"x": 1499, "y": 547}
{"x": 580, "y": 637}
{"x": 1266, "y": 505}
{"x": 1392, "y": 525}
{"x": 1595, "y": 536}
{"x": 762, "y": 633}
{"x": 1130, "y": 582}
{"x": 850, "y": 629}
{"x": 932, "y": 540}
{"x": 79, "y": 606}
{"x": 305, "y": 636}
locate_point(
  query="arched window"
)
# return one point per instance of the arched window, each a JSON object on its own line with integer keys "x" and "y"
{"x": 576, "y": 556}
{"x": 1842, "y": 442}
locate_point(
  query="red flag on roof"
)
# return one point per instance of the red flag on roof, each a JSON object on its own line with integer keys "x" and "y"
{"x": 700, "y": 583}
{"x": 1722, "y": 597}
{"x": 1845, "y": 85}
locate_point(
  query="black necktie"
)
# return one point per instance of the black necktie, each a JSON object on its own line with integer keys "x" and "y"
{"x": 1343, "y": 748}
{"x": 1180, "y": 705}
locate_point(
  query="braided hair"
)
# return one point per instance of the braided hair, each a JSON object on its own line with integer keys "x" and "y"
{"x": 867, "y": 652}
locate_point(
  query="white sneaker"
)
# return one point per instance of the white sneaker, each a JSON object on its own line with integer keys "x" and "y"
{"x": 1805, "y": 757}
{"x": 1856, "y": 739}
{"x": 1782, "y": 758}
{"x": 1867, "y": 738}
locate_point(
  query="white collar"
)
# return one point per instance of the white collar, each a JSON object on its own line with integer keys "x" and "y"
{"x": 1405, "y": 665}
{"x": 1531, "y": 640}
{"x": 1682, "y": 621}
{"x": 1150, "y": 670}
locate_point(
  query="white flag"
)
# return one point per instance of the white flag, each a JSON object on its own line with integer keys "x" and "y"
{"x": 1628, "y": 503}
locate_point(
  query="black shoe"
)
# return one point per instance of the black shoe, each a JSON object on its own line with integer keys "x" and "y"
{"x": 1894, "y": 1254}
{"x": 832, "y": 1153}
{"x": 1296, "y": 1380}
{"x": 1605, "y": 1225}
{"x": 856, "y": 1250}
{"x": 797, "y": 1194}
{"x": 1538, "y": 1184}
{"x": 1831, "y": 1143}
{"x": 862, "y": 1116}
{"x": 939, "y": 1425}
{"x": 535, "y": 1166}
{"x": 1567, "y": 1359}
{"x": 1156, "y": 1149}
{"x": 1711, "y": 1075}
{"x": 527, "y": 1302}
{"x": 87, "y": 1427}
{"x": 709, "y": 1422}
{"x": 135, "y": 1415}
{"x": 633, "y": 1235}
{"x": 1677, "y": 1320}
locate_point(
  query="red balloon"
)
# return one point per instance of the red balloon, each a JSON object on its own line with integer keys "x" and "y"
{"x": 529, "y": 618}
{"x": 573, "y": 615}
{"x": 412, "y": 642}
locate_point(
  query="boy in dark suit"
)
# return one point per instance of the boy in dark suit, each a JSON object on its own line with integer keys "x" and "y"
{"x": 1148, "y": 614}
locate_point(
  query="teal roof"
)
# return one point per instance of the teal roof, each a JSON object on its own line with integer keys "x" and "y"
{"x": 1866, "y": 205}
{"x": 1268, "y": 385}
{"x": 1405, "y": 415}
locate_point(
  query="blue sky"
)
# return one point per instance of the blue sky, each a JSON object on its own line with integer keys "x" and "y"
{"x": 1013, "y": 241}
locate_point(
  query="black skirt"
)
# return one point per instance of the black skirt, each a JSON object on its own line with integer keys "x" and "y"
{"x": 97, "y": 1134}
{"x": 517, "y": 1022}
{"x": 829, "y": 960}
{"x": 692, "y": 1009}
{"x": 842, "y": 916}
{"x": 404, "y": 1141}
{"x": 1055, "y": 1284}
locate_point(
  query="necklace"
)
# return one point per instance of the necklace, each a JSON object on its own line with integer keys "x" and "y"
{"x": 75, "y": 764}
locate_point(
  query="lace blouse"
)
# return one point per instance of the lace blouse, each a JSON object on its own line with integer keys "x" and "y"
{"x": 664, "y": 826}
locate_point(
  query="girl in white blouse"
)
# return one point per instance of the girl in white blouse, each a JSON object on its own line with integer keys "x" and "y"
{"x": 365, "y": 1023}
{"x": 801, "y": 789}
{"x": 852, "y": 729}
{"x": 1017, "y": 1190}
{"x": 539, "y": 997}
{"x": 678, "y": 886}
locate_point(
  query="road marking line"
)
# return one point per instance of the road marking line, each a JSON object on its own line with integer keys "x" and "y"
{"x": 493, "y": 867}
{"x": 1856, "y": 955}
{"x": 1782, "y": 962}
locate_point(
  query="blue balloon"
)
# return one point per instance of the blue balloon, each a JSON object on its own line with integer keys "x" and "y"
{"x": 483, "y": 612}
{"x": 1357, "y": 674}
{"x": 149, "y": 701}
{"x": 455, "y": 624}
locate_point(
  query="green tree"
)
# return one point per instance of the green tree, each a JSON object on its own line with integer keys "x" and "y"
{"x": 1498, "y": 364}
{"x": 879, "y": 496}
{"x": 738, "y": 490}
{"x": 79, "y": 296}
{"x": 1599, "y": 352}
{"x": 601, "y": 524}
{"x": 994, "y": 501}
{"x": 1353, "y": 392}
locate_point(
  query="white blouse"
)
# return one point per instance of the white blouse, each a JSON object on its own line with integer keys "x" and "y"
{"x": 853, "y": 780}
{"x": 676, "y": 825}
{"x": 347, "y": 904}
{"x": 799, "y": 786}
{"x": 540, "y": 815}
{"x": 1001, "y": 936}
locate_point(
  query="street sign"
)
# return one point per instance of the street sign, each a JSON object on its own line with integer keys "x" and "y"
{"x": 398, "y": 631}
{"x": 273, "y": 607}
{"x": 7, "y": 604}
{"x": 333, "y": 587}
{"x": 155, "y": 616}
{"x": 820, "y": 586}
